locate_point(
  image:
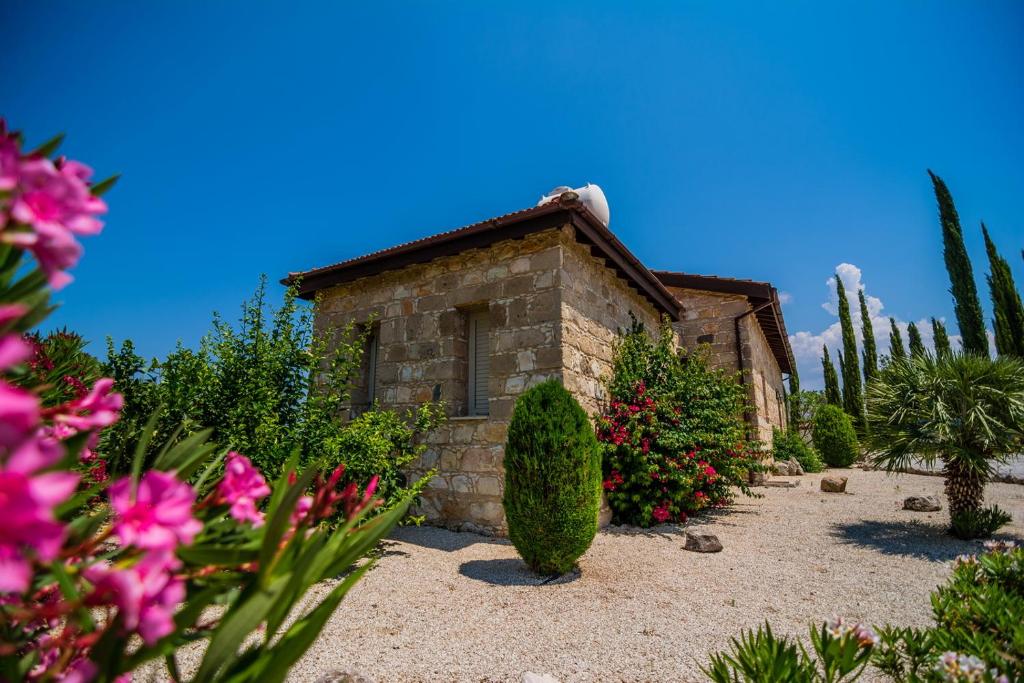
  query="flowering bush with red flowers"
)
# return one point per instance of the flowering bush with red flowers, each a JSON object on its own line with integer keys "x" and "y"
{"x": 673, "y": 433}
{"x": 102, "y": 574}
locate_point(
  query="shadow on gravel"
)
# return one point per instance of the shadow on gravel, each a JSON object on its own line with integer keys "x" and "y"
{"x": 437, "y": 538}
{"x": 510, "y": 572}
{"x": 668, "y": 531}
{"x": 913, "y": 538}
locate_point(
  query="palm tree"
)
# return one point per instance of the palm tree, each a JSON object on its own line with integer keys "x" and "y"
{"x": 964, "y": 410}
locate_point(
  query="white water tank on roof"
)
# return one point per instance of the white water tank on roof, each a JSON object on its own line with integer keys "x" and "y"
{"x": 591, "y": 196}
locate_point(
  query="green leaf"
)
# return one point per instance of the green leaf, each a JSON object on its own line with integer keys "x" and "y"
{"x": 103, "y": 186}
{"x": 177, "y": 456}
{"x": 48, "y": 147}
{"x": 279, "y": 521}
{"x": 303, "y": 633}
{"x": 219, "y": 555}
{"x": 142, "y": 445}
{"x": 239, "y": 622}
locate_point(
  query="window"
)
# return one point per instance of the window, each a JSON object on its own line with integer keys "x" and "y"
{"x": 479, "y": 362}
{"x": 371, "y": 366}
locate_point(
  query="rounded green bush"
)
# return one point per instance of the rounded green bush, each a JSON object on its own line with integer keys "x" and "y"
{"x": 834, "y": 437}
{"x": 552, "y": 479}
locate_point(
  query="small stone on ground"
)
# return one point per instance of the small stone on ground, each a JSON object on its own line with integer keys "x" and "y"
{"x": 702, "y": 543}
{"x": 530, "y": 677}
{"x": 833, "y": 484}
{"x": 922, "y": 503}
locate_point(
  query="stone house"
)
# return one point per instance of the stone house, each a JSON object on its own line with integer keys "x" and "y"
{"x": 474, "y": 316}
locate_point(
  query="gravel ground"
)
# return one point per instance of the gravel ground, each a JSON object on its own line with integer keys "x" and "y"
{"x": 444, "y": 606}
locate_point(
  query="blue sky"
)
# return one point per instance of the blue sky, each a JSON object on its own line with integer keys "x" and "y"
{"x": 772, "y": 141}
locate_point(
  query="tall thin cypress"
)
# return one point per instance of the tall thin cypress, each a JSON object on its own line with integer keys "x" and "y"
{"x": 961, "y": 275}
{"x": 832, "y": 395}
{"x": 867, "y": 331}
{"x": 896, "y": 348}
{"x": 1007, "y": 309}
{"x": 850, "y": 367}
{"x": 941, "y": 339}
{"x": 916, "y": 343}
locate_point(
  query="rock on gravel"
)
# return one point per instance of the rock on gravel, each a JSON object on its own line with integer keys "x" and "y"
{"x": 346, "y": 676}
{"x": 834, "y": 484}
{"x": 922, "y": 503}
{"x": 702, "y": 543}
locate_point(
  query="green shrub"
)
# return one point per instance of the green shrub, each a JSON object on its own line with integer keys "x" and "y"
{"x": 981, "y": 523}
{"x": 788, "y": 445}
{"x": 834, "y": 437}
{"x": 977, "y": 617}
{"x": 552, "y": 479}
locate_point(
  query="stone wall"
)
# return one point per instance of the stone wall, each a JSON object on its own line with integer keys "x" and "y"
{"x": 764, "y": 381}
{"x": 421, "y": 314}
{"x": 710, "y": 318}
{"x": 596, "y": 304}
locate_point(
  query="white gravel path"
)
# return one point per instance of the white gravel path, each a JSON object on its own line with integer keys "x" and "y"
{"x": 444, "y": 606}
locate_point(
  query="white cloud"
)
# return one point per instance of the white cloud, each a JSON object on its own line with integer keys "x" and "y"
{"x": 785, "y": 297}
{"x": 807, "y": 345}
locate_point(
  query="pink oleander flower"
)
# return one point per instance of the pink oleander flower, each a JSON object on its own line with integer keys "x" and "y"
{"x": 27, "y": 501}
{"x": 9, "y": 156}
{"x": 242, "y": 487}
{"x": 19, "y": 415}
{"x": 158, "y": 515}
{"x": 54, "y": 200}
{"x": 146, "y": 594}
{"x": 302, "y": 508}
{"x": 97, "y": 409}
{"x": 52, "y": 195}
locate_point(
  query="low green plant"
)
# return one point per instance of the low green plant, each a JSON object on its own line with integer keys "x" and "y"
{"x": 552, "y": 479}
{"x": 978, "y": 636}
{"x": 981, "y": 523}
{"x": 834, "y": 437}
{"x": 843, "y": 652}
{"x": 787, "y": 445}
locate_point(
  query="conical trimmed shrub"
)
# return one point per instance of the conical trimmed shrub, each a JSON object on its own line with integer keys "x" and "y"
{"x": 552, "y": 479}
{"x": 834, "y": 437}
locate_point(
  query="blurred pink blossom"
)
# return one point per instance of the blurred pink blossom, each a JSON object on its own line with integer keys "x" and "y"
{"x": 241, "y": 487}
{"x": 97, "y": 409}
{"x": 159, "y": 514}
{"x": 146, "y": 594}
{"x": 27, "y": 501}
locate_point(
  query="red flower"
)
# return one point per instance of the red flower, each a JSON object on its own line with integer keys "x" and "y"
{"x": 661, "y": 513}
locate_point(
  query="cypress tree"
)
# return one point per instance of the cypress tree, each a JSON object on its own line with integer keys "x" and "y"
{"x": 896, "y": 348}
{"x": 942, "y": 346}
{"x": 916, "y": 343}
{"x": 868, "y": 336}
{"x": 961, "y": 276}
{"x": 794, "y": 400}
{"x": 1007, "y": 308}
{"x": 832, "y": 395}
{"x": 849, "y": 365}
